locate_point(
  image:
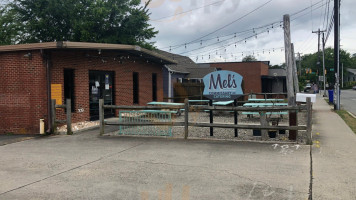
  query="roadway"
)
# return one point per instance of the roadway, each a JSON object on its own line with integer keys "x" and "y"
{"x": 348, "y": 100}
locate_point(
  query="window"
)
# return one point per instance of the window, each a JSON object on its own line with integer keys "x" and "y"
{"x": 69, "y": 86}
{"x": 154, "y": 87}
{"x": 135, "y": 88}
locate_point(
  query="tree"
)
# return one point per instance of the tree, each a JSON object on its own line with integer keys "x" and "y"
{"x": 103, "y": 21}
{"x": 249, "y": 58}
{"x": 310, "y": 61}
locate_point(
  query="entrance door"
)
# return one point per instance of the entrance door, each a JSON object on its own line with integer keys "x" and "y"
{"x": 101, "y": 87}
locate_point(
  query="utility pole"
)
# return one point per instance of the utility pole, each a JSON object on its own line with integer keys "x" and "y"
{"x": 337, "y": 52}
{"x": 324, "y": 78}
{"x": 295, "y": 74}
{"x": 289, "y": 65}
{"x": 318, "y": 63}
{"x": 289, "y": 60}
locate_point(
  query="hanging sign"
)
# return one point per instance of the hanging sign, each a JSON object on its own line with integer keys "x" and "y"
{"x": 223, "y": 85}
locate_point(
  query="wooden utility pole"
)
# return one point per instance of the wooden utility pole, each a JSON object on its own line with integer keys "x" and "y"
{"x": 289, "y": 65}
{"x": 289, "y": 60}
{"x": 295, "y": 73}
{"x": 318, "y": 63}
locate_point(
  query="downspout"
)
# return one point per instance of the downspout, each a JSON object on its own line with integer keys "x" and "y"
{"x": 48, "y": 76}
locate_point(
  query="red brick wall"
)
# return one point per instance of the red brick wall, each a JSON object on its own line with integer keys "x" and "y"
{"x": 84, "y": 61}
{"x": 22, "y": 92}
{"x": 250, "y": 71}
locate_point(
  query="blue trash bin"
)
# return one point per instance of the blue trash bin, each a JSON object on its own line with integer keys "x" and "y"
{"x": 331, "y": 96}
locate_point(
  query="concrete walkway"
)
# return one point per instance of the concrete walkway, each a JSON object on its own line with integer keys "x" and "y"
{"x": 86, "y": 166}
{"x": 333, "y": 155}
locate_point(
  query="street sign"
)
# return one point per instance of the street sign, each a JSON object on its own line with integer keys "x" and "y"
{"x": 321, "y": 78}
{"x": 222, "y": 85}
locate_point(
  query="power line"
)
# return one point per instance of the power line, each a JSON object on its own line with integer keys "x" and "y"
{"x": 201, "y": 40}
{"x": 177, "y": 14}
{"x": 254, "y": 10}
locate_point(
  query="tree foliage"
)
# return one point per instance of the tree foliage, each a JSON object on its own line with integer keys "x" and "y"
{"x": 249, "y": 58}
{"x": 310, "y": 61}
{"x": 103, "y": 21}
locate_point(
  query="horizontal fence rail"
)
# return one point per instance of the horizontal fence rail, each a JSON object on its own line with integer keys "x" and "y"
{"x": 191, "y": 108}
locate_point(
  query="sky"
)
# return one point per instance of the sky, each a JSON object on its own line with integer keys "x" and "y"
{"x": 228, "y": 30}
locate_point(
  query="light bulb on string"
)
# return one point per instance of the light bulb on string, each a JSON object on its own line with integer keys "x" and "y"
{"x": 268, "y": 30}
{"x": 185, "y": 45}
{"x": 218, "y": 38}
{"x": 235, "y": 45}
{"x": 201, "y": 42}
{"x": 235, "y": 35}
{"x": 170, "y": 48}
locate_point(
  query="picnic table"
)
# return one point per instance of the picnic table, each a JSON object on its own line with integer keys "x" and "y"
{"x": 178, "y": 111}
{"x": 222, "y": 103}
{"x": 264, "y": 105}
{"x": 264, "y": 100}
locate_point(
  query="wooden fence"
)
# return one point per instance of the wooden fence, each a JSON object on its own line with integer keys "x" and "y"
{"x": 189, "y": 108}
{"x": 68, "y": 109}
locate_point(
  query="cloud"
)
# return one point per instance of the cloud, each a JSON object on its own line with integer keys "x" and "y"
{"x": 199, "y": 22}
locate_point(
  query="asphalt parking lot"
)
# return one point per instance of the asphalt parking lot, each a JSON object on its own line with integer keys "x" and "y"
{"x": 86, "y": 166}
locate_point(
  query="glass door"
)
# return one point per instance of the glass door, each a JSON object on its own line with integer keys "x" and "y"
{"x": 101, "y": 87}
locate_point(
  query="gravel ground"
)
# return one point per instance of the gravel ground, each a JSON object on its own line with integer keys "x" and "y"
{"x": 221, "y": 133}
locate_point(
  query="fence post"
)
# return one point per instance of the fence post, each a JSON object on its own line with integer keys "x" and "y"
{"x": 309, "y": 121}
{"x": 211, "y": 118}
{"x": 101, "y": 116}
{"x": 235, "y": 118}
{"x": 263, "y": 118}
{"x": 53, "y": 113}
{"x": 186, "y": 118}
{"x": 69, "y": 116}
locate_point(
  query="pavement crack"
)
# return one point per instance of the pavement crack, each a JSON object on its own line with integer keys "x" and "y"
{"x": 311, "y": 174}
{"x": 210, "y": 169}
{"x": 71, "y": 169}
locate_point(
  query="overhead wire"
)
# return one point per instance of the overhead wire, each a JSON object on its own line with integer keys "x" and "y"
{"x": 188, "y": 11}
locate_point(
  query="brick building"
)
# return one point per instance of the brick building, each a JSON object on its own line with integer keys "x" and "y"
{"x": 32, "y": 74}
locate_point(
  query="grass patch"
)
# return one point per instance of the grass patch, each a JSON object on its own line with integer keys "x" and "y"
{"x": 350, "y": 121}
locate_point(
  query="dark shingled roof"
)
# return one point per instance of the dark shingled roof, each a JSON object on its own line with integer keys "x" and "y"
{"x": 200, "y": 72}
{"x": 183, "y": 62}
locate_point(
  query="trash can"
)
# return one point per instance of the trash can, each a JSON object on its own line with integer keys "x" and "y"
{"x": 331, "y": 96}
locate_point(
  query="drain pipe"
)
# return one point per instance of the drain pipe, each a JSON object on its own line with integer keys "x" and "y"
{"x": 48, "y": 71}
